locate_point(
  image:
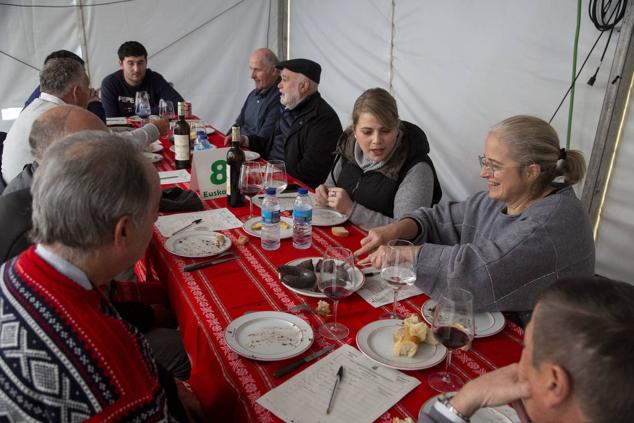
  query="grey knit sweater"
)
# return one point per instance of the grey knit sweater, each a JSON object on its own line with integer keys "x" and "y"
{"x": 506, "y": 261}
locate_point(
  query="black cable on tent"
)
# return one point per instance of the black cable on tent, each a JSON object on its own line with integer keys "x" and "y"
{"x": 605, "y": 15}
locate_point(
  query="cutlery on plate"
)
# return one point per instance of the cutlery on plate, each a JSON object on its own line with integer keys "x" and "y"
{"x": 195, "y": 222}
{"x": 294, "y": 365}
{"x": 192, "y": 267}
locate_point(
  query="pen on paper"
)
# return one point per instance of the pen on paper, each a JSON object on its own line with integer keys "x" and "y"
{"x": 169, "y": 177}
{"x": 334, "y": 389}
{"x": 195, "y": 222}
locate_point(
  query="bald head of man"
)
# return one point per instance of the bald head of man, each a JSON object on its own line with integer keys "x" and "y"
{"x": 262, "y": 66}
{"x": 57, "y": 123}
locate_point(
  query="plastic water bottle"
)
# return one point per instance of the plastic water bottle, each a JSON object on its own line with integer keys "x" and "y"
{"x": 302, "y": 220}
{"x": 270, "y": 233}
{"x": 202, "y": 142}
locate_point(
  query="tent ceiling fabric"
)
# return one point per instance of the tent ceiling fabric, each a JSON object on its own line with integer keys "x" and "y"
{"x": 459, "y": 68}
{"x": 209, "y": 66}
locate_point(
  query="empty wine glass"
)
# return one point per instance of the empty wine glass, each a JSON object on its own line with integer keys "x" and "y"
{"x": 251, "y": 180}
{"x": 275, "y": 176}
{"x": 453, "y": 327}
{"x": 166, "y": 109}
{"x": 336, "y": 279}
{"x": 142, "y": 105}
{"x": 397, "y": 270}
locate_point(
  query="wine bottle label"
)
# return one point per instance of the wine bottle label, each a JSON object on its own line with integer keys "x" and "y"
{"x": 303, "y": 216}
{"x": 228, "y": 179}
{"x": 181, "y": 147}
{"x": 270, "y": 217}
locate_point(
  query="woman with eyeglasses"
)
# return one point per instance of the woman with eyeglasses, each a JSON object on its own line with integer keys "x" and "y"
{"x": 507, "y": 243}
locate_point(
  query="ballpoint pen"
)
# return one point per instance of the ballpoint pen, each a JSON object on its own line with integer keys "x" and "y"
{"x": 334, "y": 389}
{"x": 195, "y": 222}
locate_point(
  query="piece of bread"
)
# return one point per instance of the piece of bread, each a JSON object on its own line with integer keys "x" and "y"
{"x": 339, "y": 231}
{"x": 407, "y": 338}
{"x": 242, "y": 240}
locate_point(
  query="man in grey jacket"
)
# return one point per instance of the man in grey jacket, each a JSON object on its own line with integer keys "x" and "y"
{"x": 576, "y": 365}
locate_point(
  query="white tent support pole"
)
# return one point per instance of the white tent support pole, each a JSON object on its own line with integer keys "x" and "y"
{"x": 390, "y": 72}
{"x": 284, "y": 29}
{"x": 611, "y": 121}
{"x": 82, "y": 35}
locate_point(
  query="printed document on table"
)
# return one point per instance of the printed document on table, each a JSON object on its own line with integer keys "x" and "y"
{"x": 174, "y": 176}
{"x": 213, "y": 220}
{"x": 366, "y": 390}
{"x": 376, "y": 292}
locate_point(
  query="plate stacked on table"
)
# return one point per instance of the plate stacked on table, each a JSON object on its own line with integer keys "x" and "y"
{"x": 269, "y": 335}
{"x": 197, "y": 243}
{"x": 359, "y": 279}
{"x": 155, "y": 147}
{"x": 500, "y": 414}
{"x": 375, "y": 340}
{"x": 486, "y": 324}
{"x": 253, "y": 227}
{"x": 326, "y": 216}
{"x": 153, "y": 157}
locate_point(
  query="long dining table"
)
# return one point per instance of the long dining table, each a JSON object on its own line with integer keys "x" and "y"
{"x": 207, "y": 300}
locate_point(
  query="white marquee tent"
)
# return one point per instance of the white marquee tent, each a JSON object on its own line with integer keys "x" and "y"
{"x": 455, "y": 68}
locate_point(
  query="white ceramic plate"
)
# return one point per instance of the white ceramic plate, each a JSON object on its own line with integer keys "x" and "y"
{"x": 375, "y": 341}
{"x": 284, "y": 232}
{"x": 153, "y": 157}
{"x": 209, "y": 130}
{"x": 500, "y": 414}
{"x": 197, "y": 244}
{"x": 286, "y": 200}
{"x": 486, "y": 324}
{"x": 269, "y": 335}
{"x": 155, "y": 147}
{"x": 325, "y": 216}
{"x": 251, "y": 155}
{"x": 359, "y": 280}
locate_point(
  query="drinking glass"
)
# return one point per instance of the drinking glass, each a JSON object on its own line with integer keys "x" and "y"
{"x": 166, "y": 109}
{"x": 453, "y": 327}
{"x": 275, "y": 176}
{"x": 250, "y": 182}
{"x": 397, "y": 270}
{"x": 336, "y": 281}
{"x": 142, "y": 105}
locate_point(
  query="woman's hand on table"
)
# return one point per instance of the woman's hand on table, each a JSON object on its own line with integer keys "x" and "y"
{"x": 498, "y": 387}
{"x": 404, "y": 229}
{"x": 321, "y": 195}
{"x": 377, "y": 256}
{"x": 338, "y": 199}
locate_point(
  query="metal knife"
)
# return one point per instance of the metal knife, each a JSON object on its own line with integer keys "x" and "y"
{"x": 192, "y": 267}
{"x": 294, "y": 365}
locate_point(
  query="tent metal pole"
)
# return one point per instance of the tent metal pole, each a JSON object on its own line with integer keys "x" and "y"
{"x": 611, "y": 121}
{"x": 82, "y": 36}
{"x": 283, "y": 27}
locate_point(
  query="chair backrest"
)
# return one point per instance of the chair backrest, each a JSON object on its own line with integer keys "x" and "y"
{"x": 3, "y": 136}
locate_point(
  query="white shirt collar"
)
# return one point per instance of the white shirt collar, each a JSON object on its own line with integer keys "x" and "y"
{"x": 64, "y": 267}
{"x": 51, "y": 98}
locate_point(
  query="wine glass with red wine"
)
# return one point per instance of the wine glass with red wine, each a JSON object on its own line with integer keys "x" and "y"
{"x": 251, "y": 181}
{"x": 336, "y": 280}
{"x": 453, "y": 327}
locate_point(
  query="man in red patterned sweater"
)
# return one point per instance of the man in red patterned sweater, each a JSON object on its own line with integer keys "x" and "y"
{"x": 65, "y": 354}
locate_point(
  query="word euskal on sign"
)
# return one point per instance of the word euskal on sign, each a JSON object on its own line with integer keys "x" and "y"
{"x": 209, "y": 173}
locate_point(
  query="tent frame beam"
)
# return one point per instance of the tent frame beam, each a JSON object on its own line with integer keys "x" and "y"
{"x": 610, "y": 121}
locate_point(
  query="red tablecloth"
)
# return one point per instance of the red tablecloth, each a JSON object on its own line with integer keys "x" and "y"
{"x": 206, "y": 301}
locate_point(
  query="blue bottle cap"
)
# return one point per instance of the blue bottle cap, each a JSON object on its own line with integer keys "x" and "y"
{"x": 270, "y": 191}
{"x": 302, "y": 191}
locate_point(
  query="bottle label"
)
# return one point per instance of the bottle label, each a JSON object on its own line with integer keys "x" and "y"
{"x": 270, "y": 217}
{"x": 228, "y": 179}
{"x": 181, "y": 147}
{"x": 303, "y": 216}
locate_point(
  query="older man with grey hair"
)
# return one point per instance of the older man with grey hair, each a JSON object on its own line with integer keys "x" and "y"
{"x": 62, "y": 81}
{"x": 65, "y": 354}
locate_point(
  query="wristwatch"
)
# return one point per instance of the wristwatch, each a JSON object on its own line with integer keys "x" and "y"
{"x": 444, "y": 400}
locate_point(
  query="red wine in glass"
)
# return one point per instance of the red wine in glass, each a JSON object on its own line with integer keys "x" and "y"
{"x": 336, "y": 292}
{"x": 451, "y": 337}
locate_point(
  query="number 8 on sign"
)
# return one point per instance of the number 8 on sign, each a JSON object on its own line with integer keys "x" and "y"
{"x": 218, "y": 172}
